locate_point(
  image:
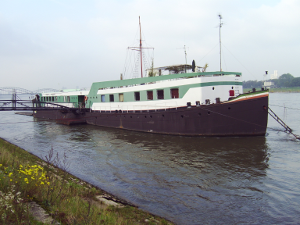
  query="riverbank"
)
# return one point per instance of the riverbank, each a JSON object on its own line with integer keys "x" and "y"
{"x": 275, "y": 90}
{"x": 286, "y": 90}
{"x": 30, "y": 186}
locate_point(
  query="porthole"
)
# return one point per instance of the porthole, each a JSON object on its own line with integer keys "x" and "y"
{"x": 208, "y": 112}
{"x": 199, "y": 114}
{"x": 181, "y": 116}
{"x": 229, "y": 108}
{"x": 213, "y": 88}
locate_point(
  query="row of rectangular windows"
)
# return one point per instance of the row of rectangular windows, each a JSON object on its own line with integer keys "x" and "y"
{"x": 160, "y": 95}
{"x": 52, "y": 99}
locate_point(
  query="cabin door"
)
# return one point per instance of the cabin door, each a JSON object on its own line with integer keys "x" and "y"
{"x": 81, "y": 102}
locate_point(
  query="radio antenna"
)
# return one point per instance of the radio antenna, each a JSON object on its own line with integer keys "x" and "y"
{"x": 220, "y": 26}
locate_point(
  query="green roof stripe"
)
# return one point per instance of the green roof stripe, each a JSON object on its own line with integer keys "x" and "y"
{"x": 119, "y": 83}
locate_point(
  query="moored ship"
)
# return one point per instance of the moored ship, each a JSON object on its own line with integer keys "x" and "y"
{"x": 194, "y": 104}
{"x": 185, "y": 101}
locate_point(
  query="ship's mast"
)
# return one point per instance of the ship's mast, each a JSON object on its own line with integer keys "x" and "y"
{"x": 140, "y": 48}
{"x": 185, "y": 59}
{"x": 141, "y": 52}
{"x": 220, "y": 26}
{"x": 184, "y": 48}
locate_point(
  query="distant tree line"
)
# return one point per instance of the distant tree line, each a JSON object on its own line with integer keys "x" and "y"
{"x": 252, "y": 84}
{"x": 285, "y": 80}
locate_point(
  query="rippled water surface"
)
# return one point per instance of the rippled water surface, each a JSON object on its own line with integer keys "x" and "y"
{"x": 188, "y": 180}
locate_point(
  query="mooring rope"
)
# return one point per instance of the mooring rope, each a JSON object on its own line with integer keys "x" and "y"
{"x": 286, "y": 107}
{"x": 289, "y": 131}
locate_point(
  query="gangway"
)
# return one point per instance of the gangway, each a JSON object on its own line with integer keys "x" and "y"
{"x": 32, "y": 105}
{"x": 283, "y": 124}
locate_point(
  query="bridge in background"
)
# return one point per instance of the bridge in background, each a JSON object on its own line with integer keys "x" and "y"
{"x": 15, "y": 103}
{"x": 25, "y": 105}
{"x": 18, "y": 90}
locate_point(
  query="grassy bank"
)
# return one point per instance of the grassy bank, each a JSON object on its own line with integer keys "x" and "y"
{"x": 25, "y": 178}
{"x": 286, "y": 90}
{"x": 274, "y": 90}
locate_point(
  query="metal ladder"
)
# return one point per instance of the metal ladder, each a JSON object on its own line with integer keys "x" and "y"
{"x": 280, "y": 121}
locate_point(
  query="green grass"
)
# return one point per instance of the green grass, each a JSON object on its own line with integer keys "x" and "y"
{"x": 288, "y": 90}
{"x": 273, "y": 90}
{"x": 25, "y": 178}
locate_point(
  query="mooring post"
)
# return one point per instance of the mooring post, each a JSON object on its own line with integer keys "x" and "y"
{"x": 14, "y": 99}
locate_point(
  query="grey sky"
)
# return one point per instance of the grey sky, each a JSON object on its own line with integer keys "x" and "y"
{"x": 72, "y": 43}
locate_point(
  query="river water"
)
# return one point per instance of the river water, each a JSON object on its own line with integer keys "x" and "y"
{"x": 188, "y": 180}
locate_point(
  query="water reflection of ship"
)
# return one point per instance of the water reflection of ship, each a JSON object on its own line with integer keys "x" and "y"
{"x": 230, "y": 154}
{"x": 243, "y": 154}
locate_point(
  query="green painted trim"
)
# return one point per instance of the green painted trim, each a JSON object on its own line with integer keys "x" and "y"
{"x": 77, "y": 100}
{"x": 136, "y": 81}
{"x": 251, "y": 93}
{"x": 129, "y": 96}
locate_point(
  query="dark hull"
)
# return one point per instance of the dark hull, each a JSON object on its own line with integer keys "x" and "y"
{"x": 240, "y": 118}
{"x": 66, "y": 117}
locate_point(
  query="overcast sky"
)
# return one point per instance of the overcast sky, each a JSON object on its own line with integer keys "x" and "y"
{"x": 72, "y": 43}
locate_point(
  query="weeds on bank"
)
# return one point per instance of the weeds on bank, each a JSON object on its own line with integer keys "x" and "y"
{"x": 25, "y": 178}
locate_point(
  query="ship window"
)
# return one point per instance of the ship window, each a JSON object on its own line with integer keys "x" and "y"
{"x": 52, "y": 99}
{"x": 174, "y": 93}
{"x": 68, "y": 98}
{"x": 102, "y": 98}
{"x": 207, "y": 101}
{"x": 218, "y": 100}
{"x": 150, "y": 95}
{"x": 160, "y": 94}
{"x": 121, "y": 97}
{"x": 137, "y": 96}
{"x": 111, "y": 98}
